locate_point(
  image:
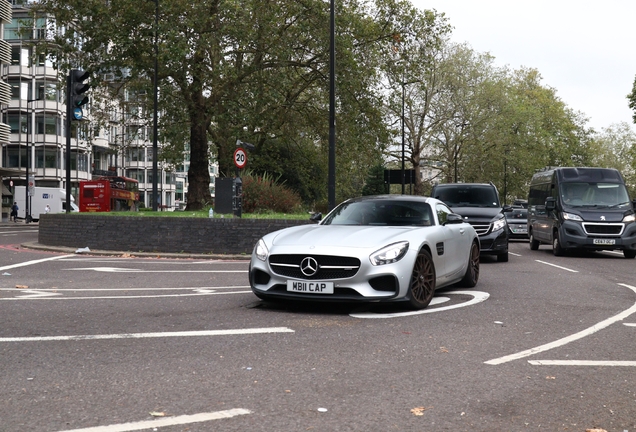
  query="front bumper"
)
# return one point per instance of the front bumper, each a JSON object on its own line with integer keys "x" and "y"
{"x": 494, "y": 243}
{"x": 572, "y": 235}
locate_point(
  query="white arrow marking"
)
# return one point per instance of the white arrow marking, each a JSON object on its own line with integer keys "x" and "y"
{"x": 171, "y": 421}
{"x": 33, "y": 262}
{"x": 37, "y": 294}
{"x": 478, "y": 297}
{"x": 204, "y": 291}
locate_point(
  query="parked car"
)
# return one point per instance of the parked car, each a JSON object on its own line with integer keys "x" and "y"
{"x": 386, "y": 248}
{"x": 517, "y": 223}
{"x": 479, "y": 204}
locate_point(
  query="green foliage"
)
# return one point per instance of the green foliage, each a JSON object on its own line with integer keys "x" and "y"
{"x": 375, "y": 181}
{"x": 263, "y": 194}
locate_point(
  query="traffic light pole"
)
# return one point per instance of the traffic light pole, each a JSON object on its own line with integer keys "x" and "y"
{"x": 67, "y": 127}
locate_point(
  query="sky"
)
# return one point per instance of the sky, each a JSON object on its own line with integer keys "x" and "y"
{"x": 584, "y": 49}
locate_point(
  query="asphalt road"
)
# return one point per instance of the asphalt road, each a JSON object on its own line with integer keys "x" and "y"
{"x": 109, "y": 343}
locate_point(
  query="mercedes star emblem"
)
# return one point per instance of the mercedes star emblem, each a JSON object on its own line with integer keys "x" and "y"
{"x": 309, "y": 266}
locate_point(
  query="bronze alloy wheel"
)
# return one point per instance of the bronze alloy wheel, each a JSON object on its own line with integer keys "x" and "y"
{"x": 422, "y": 286}
{"x": 472, "y": 271}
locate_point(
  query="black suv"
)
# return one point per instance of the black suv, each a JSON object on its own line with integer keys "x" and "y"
{"x": 479, "y": 204}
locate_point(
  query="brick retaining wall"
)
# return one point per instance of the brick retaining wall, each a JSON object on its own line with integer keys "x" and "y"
{"x": 157, "y": 234}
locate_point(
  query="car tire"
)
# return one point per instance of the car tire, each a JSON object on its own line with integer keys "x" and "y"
{"x": 422, "y": 285}
{"x": 629, "y": 253}
{"x": 502, "y": 257}
{"x": 557, "y": 250}
{"x": 534, "y": 243}
{"x": 472, "y": 271}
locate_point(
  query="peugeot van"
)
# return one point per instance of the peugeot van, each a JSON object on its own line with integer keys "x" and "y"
{"x": 478, "y": 204}
{"x": 581, "y": 208}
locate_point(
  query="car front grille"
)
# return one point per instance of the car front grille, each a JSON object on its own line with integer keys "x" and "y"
{"x": 608, "y": 229}
{"x": 328, "y": 267}
{"x": 481, "y": 229}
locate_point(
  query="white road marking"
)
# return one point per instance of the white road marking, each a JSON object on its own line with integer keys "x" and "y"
{"x": 515, "y": 254}
{"x": 27, "y": 263}
{"x": 133, "y": 289}
{"x": 37, "y": 294}
{"x": 478, "y": 297}
{"x": 167, "y": 421}
{"x": 580, "y": 363}
{"x": 151, "y": 335}
{"x": 129, "y": 270}
{"x": 554, "y": 265}
{"x": 570, "y": 338}
{"x": 630, "y": 324}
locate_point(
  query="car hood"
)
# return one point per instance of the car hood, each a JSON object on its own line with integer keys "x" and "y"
{"x": 316, "y": 237}
{"x": 477, "y": 213}
{"x": 598, "y": 215}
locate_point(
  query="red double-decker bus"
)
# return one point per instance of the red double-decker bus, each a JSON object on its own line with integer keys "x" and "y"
{"x": 105, "y": 194}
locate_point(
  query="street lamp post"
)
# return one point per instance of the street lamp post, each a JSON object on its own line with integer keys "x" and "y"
{"x": 27, "y": 194}
{"x": 156, "y": 104}
{"x": 331, "y": 192}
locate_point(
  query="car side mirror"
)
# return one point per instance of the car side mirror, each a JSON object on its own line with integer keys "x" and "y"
{"x": 316, "y": 217}
{"x": 453, "y": 218}
{"x": 550, "y": 203}
{"x": 506, "y": 208}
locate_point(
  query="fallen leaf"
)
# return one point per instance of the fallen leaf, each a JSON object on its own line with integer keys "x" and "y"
{"x": 550, "y": 377}
{"x": 443, "y": 349}
{"x": 419, "y": 411}
{"x": 595, "y": 430}
{"x": 157, "y": 414}
{"x": 22, "y": 286}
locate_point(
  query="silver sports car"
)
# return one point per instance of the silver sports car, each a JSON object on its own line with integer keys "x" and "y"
{"x": 372, "y": 249}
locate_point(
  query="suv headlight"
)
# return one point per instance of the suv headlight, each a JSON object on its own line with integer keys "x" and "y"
{"x": 629, "y": 218}
{"x": 498, "y": 224}
{"x": 572, "y": 217}
{"x": 260, "y": 250}
{"x": 390, "y": 254}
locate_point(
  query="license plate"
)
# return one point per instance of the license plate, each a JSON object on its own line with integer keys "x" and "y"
{"x": 520, "y": 230}
{"x": 604, "y": 241}
{"x": 310, "y": 287}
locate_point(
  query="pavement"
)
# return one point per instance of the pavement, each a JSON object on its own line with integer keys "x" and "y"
{"x": 101, "y": 252}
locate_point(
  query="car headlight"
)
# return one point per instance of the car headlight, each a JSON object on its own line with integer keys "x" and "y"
{"x": 629, "y": 218}
{"x": 261, "y": 251}
{"x": 390, "y": 254}
{"x": 572, "y": 217}
{"x": 498, "y": 224}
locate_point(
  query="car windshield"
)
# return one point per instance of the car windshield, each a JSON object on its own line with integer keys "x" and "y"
{"x": 597, "y": 195}
{"x": 517, "y": 214}
{"x": 381, "y": 212}
{"x": 467, "y": 195}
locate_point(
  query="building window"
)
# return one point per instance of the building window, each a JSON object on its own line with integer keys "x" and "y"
{"x": 48, "y": 125}
{"x": 17, "y": 122}
{"x": 137, "y": 174}
{"x": 47, "y": 90}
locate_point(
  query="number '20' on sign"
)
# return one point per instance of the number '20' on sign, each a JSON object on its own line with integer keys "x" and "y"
{"x": 240, "y": 158}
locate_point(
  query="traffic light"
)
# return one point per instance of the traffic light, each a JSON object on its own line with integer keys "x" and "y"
{"x": 78, "y": 88}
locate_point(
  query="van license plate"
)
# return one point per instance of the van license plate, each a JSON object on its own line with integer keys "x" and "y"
{"x": 312, "y": 287}
{"x": 604, "y": 241}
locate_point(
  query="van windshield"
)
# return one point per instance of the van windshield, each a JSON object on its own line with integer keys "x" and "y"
{"x": 467, "y": 195}
{"x": 599, "y": 195}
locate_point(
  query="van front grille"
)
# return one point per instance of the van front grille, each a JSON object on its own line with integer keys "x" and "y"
{"x": 607, "y": 229}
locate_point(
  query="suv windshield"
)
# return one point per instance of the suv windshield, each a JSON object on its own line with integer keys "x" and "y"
{"x": 600, "y": 195}
{"x": 467, "y": 195}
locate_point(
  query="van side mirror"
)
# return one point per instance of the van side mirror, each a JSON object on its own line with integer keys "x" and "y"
{"x": 550, "y": 203}
{"x": 506, "y": 208}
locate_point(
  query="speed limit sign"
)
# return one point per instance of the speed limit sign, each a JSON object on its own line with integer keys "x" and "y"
{"x": 240, "y": 158}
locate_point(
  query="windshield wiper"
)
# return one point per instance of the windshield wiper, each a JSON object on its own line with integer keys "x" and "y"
{"x": 618, "y": 205}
